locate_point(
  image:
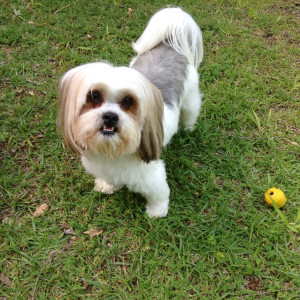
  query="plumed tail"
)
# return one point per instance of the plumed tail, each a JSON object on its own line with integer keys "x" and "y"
{"x": 176, "y": 28}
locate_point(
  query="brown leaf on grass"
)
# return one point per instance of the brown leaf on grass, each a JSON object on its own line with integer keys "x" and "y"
{"x": 85, "y": 284}
{"x": 5, "y": 280}
{"x": 253, "y": 283}
{"x": 69, "y": 231}
{"x": 20, "y": 92}
{"x": 129, "y": 12}
{"x": 41, "y": 210}
{"x": 93, "y": 232}
{"x": 239, "y": 220}
{"x": 124, "y": 270}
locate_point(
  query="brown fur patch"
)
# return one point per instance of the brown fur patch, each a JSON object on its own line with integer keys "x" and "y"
{"x": 64, "y": 123}
{"x": 132, "y": 110}
{"x": 153, "y": 133}
{"x": 89, "y": 104}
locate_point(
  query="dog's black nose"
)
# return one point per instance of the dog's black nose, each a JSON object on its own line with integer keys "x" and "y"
{"x": 110, "y": 119}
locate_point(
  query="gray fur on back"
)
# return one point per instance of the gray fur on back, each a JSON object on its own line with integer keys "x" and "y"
{"x": 166, "y": 69}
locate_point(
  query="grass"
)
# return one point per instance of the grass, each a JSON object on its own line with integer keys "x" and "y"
{"x": 220, "y": 239}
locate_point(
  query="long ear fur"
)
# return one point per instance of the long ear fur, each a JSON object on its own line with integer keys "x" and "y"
{"x": 66, "y": 111}
{"x": 153, "y": 133}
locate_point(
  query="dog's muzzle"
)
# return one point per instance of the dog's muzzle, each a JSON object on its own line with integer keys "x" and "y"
{"x": 110, "y": 121}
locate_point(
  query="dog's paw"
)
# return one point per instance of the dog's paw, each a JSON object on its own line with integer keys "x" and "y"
{"x": 189, "y": 128}
{"x": 103, "y": 187}
{"x": 157, "y": 210}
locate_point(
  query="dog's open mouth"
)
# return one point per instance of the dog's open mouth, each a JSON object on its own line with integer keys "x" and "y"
{"x": 106, "y": 130}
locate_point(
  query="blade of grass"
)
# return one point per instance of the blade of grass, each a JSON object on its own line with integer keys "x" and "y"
{"x": 282, "y": 216}
{"x": 298, "y": 218}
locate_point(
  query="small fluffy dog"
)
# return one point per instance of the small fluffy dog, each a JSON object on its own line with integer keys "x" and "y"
{"x": 119, "y": 118}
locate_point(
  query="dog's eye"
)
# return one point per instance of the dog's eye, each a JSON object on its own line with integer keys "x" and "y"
{"x": 127, "y": 102}
{"x": 96, "y": 97}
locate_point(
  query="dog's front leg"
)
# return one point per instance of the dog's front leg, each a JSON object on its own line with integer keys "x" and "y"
{"x": 154, "y": 187}
{"x": 105, "y": 188}
{"x": 157, "y": 205}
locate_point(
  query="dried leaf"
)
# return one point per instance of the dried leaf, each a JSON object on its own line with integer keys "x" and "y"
{"x": 129, "y": 12}
{"x": 253, "y": 283}
{"x": 17, "y": 12}
{"x": 20, "y": 92}
{"x": 5, "y": 280}
{"x": 7, "y": 220}
{"x": 124, "y": 270}
{"x": 31, "y": 93}
{"x": 41, "y": 210}
{"x": 69, "y": 231}
{"x": 85, "y": 284}
{"x": 93, "y": 232}
{"x": 239, "y": 220}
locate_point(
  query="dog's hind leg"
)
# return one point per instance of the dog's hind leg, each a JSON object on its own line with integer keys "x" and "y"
{"x": 191, "y": 100}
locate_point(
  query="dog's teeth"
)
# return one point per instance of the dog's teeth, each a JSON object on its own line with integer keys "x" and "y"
{"x": 105, "y": 128}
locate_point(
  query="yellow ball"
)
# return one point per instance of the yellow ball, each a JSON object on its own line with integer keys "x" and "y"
{"x": 277, "y": 195}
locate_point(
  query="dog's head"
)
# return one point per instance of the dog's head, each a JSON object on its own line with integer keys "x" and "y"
{"x": 110, "y": 110}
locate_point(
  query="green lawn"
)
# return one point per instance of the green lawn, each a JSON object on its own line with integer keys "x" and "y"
{"x": 220, "y": 239}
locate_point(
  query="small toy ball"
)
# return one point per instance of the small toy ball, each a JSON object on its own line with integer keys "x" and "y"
{"x": 277, "y": 195}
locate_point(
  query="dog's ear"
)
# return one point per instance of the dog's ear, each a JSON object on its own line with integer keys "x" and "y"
{"x": 66, "y": 111}
{"x": 152, "y": 136}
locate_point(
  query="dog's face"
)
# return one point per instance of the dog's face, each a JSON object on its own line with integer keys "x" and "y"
{"x": 110, "y": 110}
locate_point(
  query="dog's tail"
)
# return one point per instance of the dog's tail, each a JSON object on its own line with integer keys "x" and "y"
{"x": 176, "y": 28}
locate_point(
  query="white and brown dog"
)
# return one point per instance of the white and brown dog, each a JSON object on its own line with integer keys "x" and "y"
{"x": 119, "y": 118}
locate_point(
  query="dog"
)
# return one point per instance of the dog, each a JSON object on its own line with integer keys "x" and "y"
{"x": 120, "y": 118}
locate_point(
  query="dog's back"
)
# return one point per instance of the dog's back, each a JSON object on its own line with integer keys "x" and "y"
{"x": 166, "y": 69}
{"x": 168, "y": 54}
